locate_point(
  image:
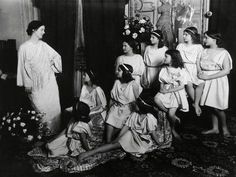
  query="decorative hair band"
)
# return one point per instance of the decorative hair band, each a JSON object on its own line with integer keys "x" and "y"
{"x": 191, "y": 31}
{"x": 156, "y": 34}
{"x": 125, "y": 67}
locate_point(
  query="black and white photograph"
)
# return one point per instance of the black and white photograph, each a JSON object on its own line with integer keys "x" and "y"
{"x": 117, "y": 88}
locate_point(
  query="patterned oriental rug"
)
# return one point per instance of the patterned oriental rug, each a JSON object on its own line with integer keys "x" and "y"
{"x": 68, "y": 164}
{"x": 195, "y": 156}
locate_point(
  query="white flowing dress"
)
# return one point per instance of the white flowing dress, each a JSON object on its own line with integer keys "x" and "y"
{"x": 216, "y": 91}
{"x": 90, "y": 98}
{"x": 190, "y": 55}
{"x": 36, "y": 72}
{"x": 153, "y": 58}
{"x": 137, "y": 140}
{"x": 173, "y": 77}
{"x": 122, "y": 95}
{"x": 136, "y": 61}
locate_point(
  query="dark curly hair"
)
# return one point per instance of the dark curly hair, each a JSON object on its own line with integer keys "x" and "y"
{"x": 215, "y": 35}
{"x": 193, "y": 32}
{"x": 127, "y": 72}
{"x": 81, "y": 111}
{"x": 91, "y": 76}
{"x": 32, "y": 26}
{"x": 176, "y": 59}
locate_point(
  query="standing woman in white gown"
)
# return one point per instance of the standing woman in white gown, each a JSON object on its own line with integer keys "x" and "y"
{"x": 37, "y": 65}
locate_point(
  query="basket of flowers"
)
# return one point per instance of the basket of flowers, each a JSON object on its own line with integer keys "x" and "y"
{"x": 24, "y": 124}
{"x": 138, "y": 27}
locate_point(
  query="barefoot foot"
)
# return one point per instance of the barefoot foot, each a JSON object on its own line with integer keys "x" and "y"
{"x": 176, "y": 135}
{"x": 226, "y": 133}
{"x": 212, "y": 131}
{"x": 82, "y": 156}
{"x": 198, "y": 110}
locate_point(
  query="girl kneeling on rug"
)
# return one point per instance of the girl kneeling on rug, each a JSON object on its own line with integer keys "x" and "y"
{"x": 73, "y": 140}
{"x": 137, "y": 136}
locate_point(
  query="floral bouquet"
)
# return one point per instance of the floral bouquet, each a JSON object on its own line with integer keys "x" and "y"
{"x": 138, "y": 28}
{"x": 26, "y": 124}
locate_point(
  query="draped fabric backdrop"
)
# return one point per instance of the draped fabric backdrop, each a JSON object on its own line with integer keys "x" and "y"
{"x": 28, "y": 13}
{"x": 79, "y": 61}
{"x": 59, "y": 19}
{"x": 103, "y": 24}
{"x": 223, "y": 20}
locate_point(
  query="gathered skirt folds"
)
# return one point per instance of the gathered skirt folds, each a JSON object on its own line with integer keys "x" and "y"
{"x": 46, "y": 101}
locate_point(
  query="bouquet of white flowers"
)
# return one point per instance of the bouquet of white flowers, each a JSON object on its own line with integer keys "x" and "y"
{"x": 26, "y": 124}
{"x": 138, "y": 28}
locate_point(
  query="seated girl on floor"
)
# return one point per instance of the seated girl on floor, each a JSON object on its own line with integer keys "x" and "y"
{"x": 172, "y": 95}
{"x": 93, "y": 95}
{"x": 74, "y": 139}
{"x": 137, "y": 135}
{"x": 124, "y": 92}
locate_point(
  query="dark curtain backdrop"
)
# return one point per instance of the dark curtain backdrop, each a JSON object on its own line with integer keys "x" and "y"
{"x": 103, "y": 24}
{"x": 59, "y": 19}
{"x": 224, "y": 20}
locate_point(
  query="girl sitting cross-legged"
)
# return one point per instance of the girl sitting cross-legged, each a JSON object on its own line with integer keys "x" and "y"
{"x": 172, "y": 95}
{"x": 124, "y": 92}
{"x": 136, "y": 137}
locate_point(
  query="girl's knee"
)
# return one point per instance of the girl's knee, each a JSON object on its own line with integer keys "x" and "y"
{"x": 157, "y": 100}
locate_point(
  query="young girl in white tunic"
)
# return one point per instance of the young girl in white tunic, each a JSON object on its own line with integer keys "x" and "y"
{"x": 216, "y": 64}
{"x": 130, "y": 57}
{"x": 191, "y": 51}
{"x": 94, "y": 96}
{"x": 137, "y": 136}
{"x": 75, "y": 139}
{"x": 172, "y": 95}
{"x": 154, "y": 56}
{"x": 124, "y": 92}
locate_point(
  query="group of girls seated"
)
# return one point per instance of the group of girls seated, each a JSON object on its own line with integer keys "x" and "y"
{"x": 171, "y": 75}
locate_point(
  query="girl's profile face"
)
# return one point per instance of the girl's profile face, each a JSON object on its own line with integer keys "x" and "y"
{"x": 187, "y": 37}
{"x": 167, "y": 59}
{"x": 86, "y": 77}
{"x": 40, "y": 32}
{"x": 208, "y": 40}
{"x": 154, "y": 39}
{"x": 126, "y": 47}
{"x": 119, "y": 73}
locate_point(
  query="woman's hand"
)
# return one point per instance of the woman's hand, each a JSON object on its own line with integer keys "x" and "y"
{"x": 4, "y": 76}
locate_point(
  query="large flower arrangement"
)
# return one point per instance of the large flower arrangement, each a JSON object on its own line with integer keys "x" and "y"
{"x": 138, "y": 28}
{"x": 25, "y": 124}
